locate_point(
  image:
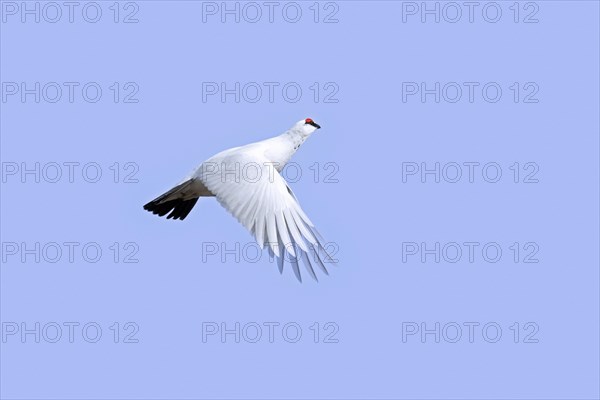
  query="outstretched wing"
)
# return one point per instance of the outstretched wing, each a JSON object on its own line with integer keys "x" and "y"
{"x": 252, "y": 190}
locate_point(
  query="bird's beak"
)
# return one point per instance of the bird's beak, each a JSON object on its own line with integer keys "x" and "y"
{"x": 313, "y": 123}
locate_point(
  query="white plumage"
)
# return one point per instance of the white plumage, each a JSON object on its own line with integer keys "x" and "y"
{"x": 246, "y": 182}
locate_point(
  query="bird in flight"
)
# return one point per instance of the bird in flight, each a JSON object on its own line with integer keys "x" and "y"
{"x": 246, "y": 182}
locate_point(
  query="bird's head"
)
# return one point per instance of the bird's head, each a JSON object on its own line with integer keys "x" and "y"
{"x": 306, "y": 126}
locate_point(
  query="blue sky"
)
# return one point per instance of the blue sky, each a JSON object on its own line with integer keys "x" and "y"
{"x": 445, "y": 105}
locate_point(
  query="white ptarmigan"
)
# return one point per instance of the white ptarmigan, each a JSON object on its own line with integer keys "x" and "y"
{"x": 246, "y": 181}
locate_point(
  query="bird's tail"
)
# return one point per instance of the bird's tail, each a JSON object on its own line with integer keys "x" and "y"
{"x": 174, "y": 201}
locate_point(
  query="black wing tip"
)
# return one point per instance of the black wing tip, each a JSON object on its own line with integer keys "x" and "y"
{"x": 179, "y": 208}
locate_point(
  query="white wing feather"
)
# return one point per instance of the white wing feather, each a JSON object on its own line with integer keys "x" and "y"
{"x": 266, "y": 206}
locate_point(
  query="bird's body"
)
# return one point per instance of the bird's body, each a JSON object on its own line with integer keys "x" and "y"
{"x": 246, "y": 181}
